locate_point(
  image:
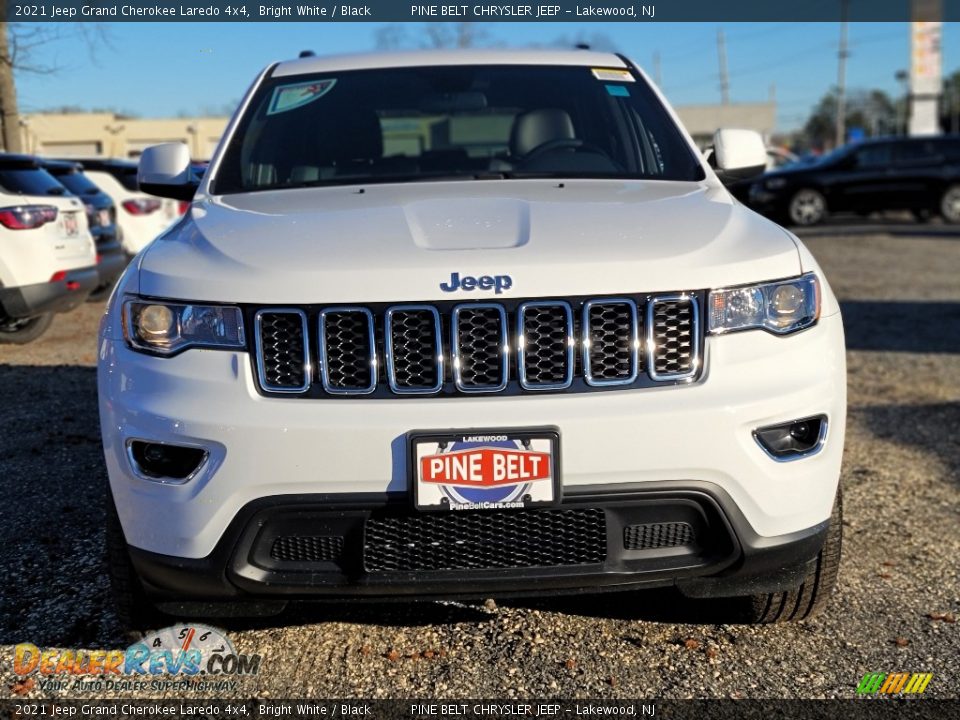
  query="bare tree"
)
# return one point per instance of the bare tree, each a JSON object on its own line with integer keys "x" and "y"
{"x": 434, "y": 35}
{"x": 17, "y": 44}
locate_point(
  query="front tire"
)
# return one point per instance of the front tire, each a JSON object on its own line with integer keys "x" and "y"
{"x": 812, "y": 595}
{"x": 950, "y": 205}
{"x": 20, "y": 331}
{"x": 807, "y": 207}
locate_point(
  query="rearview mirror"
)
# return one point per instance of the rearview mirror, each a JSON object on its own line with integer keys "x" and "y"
{"x": 165, "y": 171}
{"x": 738, "y": 154}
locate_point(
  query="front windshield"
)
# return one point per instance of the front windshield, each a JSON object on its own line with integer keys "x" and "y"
{"x": 453, "y": 122}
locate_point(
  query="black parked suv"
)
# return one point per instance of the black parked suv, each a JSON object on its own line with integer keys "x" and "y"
{"x": 917, "y": 174}
{"x": 102, "y": 217}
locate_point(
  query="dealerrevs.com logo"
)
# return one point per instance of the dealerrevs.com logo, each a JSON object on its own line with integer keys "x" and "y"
{"x": 191, "y": 656}
{"x": 894, "y": 683}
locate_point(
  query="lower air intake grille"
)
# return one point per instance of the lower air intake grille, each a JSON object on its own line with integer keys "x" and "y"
{"x": 486, "y": 540}
{"x": 298, "y": 548}
{"x": 659, "y": 535}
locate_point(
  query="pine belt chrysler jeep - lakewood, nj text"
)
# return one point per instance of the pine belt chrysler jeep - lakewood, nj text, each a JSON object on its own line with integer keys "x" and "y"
{"x": 469, "y": 324}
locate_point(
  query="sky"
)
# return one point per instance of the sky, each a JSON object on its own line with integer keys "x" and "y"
{"x": 166, "y": 69}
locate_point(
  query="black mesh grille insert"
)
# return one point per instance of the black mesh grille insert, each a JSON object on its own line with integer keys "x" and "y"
{"x": 612, "y": 353}
{"x": 659, "y": 535}
{"x": 479, "y": 540}
{"x": 282, "y": 349}
{"x": 413, "y": 337}
{"x": 299, "y": 548}
{"x": 673, "y": 336}
{"x": 480, "y": 352}
{"x": 547, "y": 331}
{"x": 349, "y": 350}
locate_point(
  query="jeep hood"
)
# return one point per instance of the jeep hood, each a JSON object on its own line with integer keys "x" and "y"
{"x": 399, "y": 242}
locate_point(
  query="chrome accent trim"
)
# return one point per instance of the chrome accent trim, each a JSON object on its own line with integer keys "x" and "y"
{"x": 504, "y": 347}
{"x": 322, "y": 360}
{"x": 258, "y": 340}
{"x": 388, "y": 347}
{"x": 521, "y": 345}
{"x": 138, "y": 471}
{"x": 634, "y": 342}
{"x": 651, "y": 346}
{"x": 815, "y": 450}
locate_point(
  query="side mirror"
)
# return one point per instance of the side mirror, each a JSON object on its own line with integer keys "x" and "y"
{"x": 165, "y": 171}
{"x": 738, "y": 154}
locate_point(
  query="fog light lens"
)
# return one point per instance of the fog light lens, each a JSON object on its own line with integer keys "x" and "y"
{"x": 162, "y": 462}
{"x": 794, "y": 439}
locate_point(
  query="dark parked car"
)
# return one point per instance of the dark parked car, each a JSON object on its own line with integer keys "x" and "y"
{"x": 102, "y": 217}
{"x": 917, "y": 174}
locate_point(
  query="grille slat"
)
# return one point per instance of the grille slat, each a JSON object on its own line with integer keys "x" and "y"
{"x": 485, "y": 540}
{"x": 545, "y": 354}
{"x": 282, "y": 350}
{"x": 348, "y": 356}
{"x": 414, "y": 349}
{"x": 574, "y": 345}
{"x": 673, "y": 337}
{"x": 612, "y": 354}
{"x": 480, "y": 349}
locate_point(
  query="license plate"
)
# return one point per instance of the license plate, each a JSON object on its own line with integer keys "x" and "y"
{"x": 70, "y": 226}
{"x": 485, "y": 469}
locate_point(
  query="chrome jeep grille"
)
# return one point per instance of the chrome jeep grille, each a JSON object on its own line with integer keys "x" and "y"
{"x": 573, "y": 345}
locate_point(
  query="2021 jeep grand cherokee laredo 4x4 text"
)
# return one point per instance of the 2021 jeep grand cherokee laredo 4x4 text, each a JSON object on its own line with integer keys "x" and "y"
{"x": 471, "y": 323}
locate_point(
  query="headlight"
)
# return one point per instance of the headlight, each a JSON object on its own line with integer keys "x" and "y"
{"x": 165, "y": 328}
{"x": 779, "y": 307}
{"x": 776, "y": 183}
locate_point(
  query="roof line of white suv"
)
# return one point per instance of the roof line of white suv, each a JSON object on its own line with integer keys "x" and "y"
{"x": 420, "y": 58}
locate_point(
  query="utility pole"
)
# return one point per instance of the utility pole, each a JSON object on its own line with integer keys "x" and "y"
{"x": 842, "y": 54}
{"x": 724, "y": 76}
{"x": 656, "y": 68}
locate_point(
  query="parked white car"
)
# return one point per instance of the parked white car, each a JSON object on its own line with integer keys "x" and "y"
{"x": 140, "y": 217}
{"x": 48, "y": 261}
{"x": 467, "y": 323}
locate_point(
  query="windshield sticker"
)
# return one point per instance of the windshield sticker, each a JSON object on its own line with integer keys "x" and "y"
{"x": 290, "y": 97}
{"x": 613, "y": 74}
{"x": 618, "y": 90}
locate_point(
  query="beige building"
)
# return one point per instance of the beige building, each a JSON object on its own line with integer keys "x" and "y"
{"x": 105, "y": 134}
{"x": 702, "y": 121}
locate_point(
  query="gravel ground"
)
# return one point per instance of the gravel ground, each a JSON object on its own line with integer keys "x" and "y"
{"x": 901, "y": 297}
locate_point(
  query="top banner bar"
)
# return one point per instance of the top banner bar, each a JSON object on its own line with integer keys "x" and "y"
{"x": 550, "y": 11}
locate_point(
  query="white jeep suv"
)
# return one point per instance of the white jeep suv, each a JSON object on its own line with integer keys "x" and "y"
{"x": 469, "y": 324}
{"x": 48, "y": 261}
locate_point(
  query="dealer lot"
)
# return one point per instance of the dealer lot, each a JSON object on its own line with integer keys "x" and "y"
{"x": 895, "y": 609}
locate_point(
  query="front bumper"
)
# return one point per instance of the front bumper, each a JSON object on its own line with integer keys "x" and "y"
{"x": 31, "y": 300}
{"x": 715, "y": 553}
{"x": 262, "y": 447}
